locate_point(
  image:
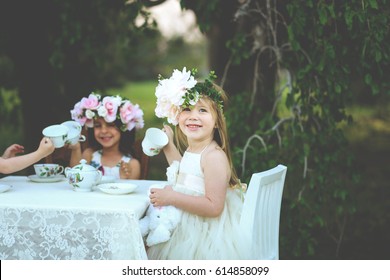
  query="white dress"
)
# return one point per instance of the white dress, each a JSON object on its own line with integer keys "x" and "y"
{"x": 203, "y": 238}
{"x": 106, "y": 170}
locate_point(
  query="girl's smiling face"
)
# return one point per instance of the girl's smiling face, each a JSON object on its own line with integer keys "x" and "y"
{"x": 197, "y": 122}
{"x": 106, "y": 134}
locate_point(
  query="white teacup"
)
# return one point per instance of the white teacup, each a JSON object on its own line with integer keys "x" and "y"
{"x": 48, "y": 170}
{"x": 74, "y": 134}
{"x": 155, "y": 139}
{"x": 57, "y": 133}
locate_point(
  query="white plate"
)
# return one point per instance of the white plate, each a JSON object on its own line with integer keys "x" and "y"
{"x": 4, "y": 188}
{"x": 38, "y": 179}
{"x": 117, "y": 188}
{"x": 107, "y": 179}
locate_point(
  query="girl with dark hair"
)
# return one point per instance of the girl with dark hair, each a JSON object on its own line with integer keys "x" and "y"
{"x": 112, "y": 122}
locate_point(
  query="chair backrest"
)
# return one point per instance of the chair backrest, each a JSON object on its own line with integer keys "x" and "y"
{"x": 260, "y": 215}
{"x": 62, "y": 157}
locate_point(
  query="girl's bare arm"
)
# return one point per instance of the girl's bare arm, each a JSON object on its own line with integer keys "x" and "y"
{"x": 216, "y": 184}
{"x": 17, "y": 163}
{"x": 170, "y": 150}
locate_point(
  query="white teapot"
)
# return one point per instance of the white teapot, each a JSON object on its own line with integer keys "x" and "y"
{"x": 83, "y": 176}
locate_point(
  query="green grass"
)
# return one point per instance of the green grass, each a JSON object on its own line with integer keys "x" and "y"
{"x": 369, "y": 124}
{"x": 369, "y": 138}
{"x": 142, "y": 93}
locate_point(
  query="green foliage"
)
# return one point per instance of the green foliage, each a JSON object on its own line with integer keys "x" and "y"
{"x": 239, "y": 48}
{"x": 326, "y": 47}
{"x": 141, "y": 93}
{"x": 178, "y": 54}
{"x": 10, "y": 118}
{"x": 209, "y": 11}
{"x": 10, "y": 106}
{"x": 107, "y": 55}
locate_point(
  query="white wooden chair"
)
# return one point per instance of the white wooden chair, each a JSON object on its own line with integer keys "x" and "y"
{"x": 260, "y": 216}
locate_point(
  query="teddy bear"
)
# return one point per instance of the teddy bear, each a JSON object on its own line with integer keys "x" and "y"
{"x": 159, "y": 222}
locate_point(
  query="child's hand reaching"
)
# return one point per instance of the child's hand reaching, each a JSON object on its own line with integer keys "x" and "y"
{"x": 13, "y": 150}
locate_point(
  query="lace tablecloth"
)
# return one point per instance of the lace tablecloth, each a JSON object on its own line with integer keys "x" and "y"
{"x": 51, "y": 221}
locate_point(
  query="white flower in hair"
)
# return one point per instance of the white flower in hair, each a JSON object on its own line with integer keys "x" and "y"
{"x": 89, "y": 114}
{"x": 171, "y": 94}
{"x": 182, "y": 90}
{"x": 102, "y": 112}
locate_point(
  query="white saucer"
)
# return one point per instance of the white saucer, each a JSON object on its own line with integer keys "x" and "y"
{"x": 117, "y": 188}
{"x": 4, "y": 188}
{"x": 38, "y": 179}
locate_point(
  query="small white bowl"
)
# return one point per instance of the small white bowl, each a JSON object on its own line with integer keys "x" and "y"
{"x": 117, "y": 188}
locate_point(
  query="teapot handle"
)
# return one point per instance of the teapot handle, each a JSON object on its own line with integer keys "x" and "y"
{"x": 99, "y": 177}
{"x": 67, "y": 170}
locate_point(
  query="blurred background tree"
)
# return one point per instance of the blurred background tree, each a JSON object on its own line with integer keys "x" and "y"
{"x": 59, "y": 51}
{"x": 291, "y": 68}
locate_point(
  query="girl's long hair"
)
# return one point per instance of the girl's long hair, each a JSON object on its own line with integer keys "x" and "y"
{"x": 220, "y": 133}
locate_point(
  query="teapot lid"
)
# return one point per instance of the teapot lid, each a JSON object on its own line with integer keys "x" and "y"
{"x": 84, "y": 166}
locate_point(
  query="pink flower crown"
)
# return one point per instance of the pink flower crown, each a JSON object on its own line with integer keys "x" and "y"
{"x": 110, "y": 108}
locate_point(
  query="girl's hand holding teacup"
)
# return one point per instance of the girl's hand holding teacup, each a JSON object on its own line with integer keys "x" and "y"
{"x": 169, "y": 132}
{"x": 73, "y": 146}
{"x": 46, "y": 147}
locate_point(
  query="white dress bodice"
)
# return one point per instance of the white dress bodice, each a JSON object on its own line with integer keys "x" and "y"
{"x": 107, "y": 170}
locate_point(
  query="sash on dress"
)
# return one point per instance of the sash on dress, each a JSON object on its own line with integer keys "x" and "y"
{"x": 190, "y": 182}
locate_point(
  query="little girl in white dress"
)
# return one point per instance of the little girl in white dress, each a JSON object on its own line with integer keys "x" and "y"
{"x": 112, "y": 122}
{"x": 198, "y": 237}
{"x": 207, "y": 189}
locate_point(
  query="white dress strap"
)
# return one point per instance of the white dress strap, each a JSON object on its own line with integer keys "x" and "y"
{"x": 205, "y": 148}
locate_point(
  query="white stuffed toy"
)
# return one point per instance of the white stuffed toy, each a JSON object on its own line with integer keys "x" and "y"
{"x": 159, "y": 222}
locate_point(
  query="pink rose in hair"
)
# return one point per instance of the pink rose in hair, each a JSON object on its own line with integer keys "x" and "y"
{"x": 111, "y": 105}
{"x": 91, "y": 102}
{"x": 110, "y": 108}
{"x": 139, "y": 117}
{"x": 78, "y": 113}
{"x": 131, "y": 115}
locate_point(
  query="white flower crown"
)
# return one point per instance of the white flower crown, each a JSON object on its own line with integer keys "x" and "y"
{"x": 181, "y": 89}
{"x": 110, "y": 108}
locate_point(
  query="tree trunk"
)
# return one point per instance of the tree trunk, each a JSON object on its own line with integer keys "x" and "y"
{"x": 240, "y": 77}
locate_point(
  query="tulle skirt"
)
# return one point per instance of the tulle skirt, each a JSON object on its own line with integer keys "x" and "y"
{"x": 202, "y": 238}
